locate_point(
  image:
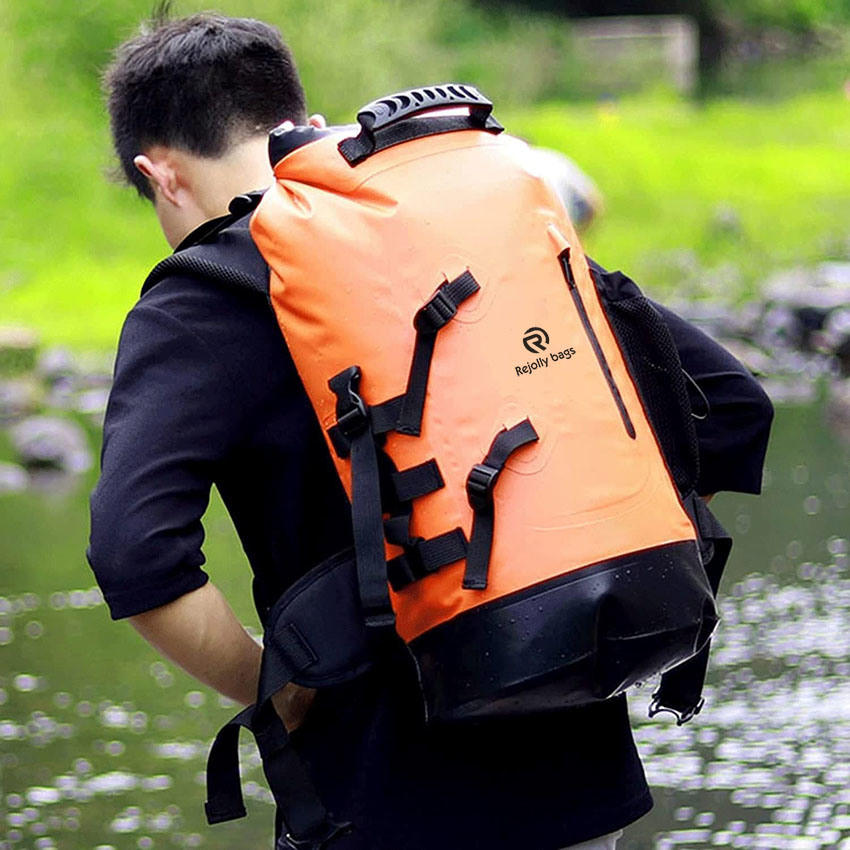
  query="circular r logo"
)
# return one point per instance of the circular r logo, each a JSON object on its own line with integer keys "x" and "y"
{"x": 535, "y": 340}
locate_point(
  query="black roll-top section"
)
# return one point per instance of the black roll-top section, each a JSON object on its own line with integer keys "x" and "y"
{"x": 283, "y": 142}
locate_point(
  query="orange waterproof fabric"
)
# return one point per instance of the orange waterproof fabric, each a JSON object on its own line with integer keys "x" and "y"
{"x": 355, "y": 252}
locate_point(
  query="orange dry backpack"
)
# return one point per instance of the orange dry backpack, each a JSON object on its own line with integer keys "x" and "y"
{"x": 511, "y": 425}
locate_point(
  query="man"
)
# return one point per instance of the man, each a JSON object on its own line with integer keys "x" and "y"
{"x": 205, "y": 393}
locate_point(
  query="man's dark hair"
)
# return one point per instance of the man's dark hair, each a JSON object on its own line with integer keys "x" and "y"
{"x": 200, "y": 84}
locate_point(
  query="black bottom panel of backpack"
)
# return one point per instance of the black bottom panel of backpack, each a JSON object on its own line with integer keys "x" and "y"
{"x": 580, "y": 638}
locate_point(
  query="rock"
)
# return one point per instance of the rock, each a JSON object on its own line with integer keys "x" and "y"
{"x": 718, "y": 319}
{"x": 94, "y": 370}
{"x": 18, "y": 349}
{"x": 826, "y": 287}
{"x": 757, "y": 361}
{"x": 577, "y": 191}
{"x": 92, "y": 402}
{"x": 838, "y": 407}
{"x": 787, "y": 326}
{"x": 842, "y": 355}
{"x": 19, "y": 397}
{"x": 790, "y": 390}
{"x": 48, "y": 442}
{"x": 13, "y": 478}
{"x": 56, "y": 364}
{"x": 834, "y": 338}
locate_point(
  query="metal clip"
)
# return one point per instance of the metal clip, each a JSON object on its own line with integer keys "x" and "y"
{"x": 335, "y": 829}
{"x": 682, "y": 717}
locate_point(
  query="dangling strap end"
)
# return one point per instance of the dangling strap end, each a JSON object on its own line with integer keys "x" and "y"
{"x": 221, "y": 811}
{"x": 381, "y": 620}
{"x": 475, "y": 583}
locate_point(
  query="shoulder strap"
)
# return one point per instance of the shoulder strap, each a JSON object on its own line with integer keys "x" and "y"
{"x": 221, "y": 250}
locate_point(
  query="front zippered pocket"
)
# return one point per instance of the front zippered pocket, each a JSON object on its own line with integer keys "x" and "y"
{"x": 564, "y": 260}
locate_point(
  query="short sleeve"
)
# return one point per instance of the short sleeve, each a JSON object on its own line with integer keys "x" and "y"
{"x": 736, "y": 413}
{"x": 168, "y": 423}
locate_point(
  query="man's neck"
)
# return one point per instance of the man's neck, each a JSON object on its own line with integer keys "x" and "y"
{"x": 215, "y": 182}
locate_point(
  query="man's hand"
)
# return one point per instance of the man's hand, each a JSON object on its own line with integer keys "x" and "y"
{"x": 291, "y": 703}
{"x": 200, "y": 633}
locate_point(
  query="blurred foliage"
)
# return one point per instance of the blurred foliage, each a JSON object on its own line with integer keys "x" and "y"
{"x": 709, "y": 199}
{"x": 788, "y": 14}
{"x": 74, "y": 248}
{"x": 364, "y": 46}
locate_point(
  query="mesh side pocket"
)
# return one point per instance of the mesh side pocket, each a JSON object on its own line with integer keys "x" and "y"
{"x": 655, "y": 366}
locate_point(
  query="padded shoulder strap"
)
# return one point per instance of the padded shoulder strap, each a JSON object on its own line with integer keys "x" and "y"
{"x": 221, "y": 250}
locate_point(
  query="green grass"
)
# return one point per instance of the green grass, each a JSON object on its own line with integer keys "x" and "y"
{"x": 75, "y": 248}
{"x": 673, "y": 174}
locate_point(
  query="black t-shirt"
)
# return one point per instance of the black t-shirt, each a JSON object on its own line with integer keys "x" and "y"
{"x": 206, "y": 393}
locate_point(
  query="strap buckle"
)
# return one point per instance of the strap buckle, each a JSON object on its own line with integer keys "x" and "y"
{"x": 437, "y": 312}
{"x": 354, "y": 418}
{"x": 682, "y": 717}
{"x": 335, "y": 829}
{"x": 479, "y": 486}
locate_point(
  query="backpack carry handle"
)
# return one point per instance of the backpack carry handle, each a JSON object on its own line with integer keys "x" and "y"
{"x": 387, "y": 110}
{"x": 379, "y": 118}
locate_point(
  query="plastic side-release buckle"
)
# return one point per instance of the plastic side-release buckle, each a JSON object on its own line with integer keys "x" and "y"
{"x": 352, "y": 413}
{"x": 682, "y": 717}
{"x": 479, "y": 485}
{"x": 335, "y": 829}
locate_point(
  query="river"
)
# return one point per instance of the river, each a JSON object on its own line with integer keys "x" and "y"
{"x": 103, "y": 744}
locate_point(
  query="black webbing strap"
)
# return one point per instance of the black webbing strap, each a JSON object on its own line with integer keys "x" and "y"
{"x": 366, "y": 512}
{"x": 308, "y": 823}
{"x": 425, "y": 556}
{"x": 284, "y": 657}
{"x": 680, "y": 691}
{"x": 224, "y": 788}
{"x": 479, "y": 490}
{"x": 385, "y": 415}
{"x": 403, "y": 413}
{"x": 305, "y": 817}
{"x": 434, "y": 315}
{"x": 417, "y": 481}
{"x": 303, "y": 813}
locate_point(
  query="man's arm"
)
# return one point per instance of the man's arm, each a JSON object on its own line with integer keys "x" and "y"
{"x": 733, "y": 436}
{"x": 733, "y": 432}
{"x": 200, "y": 633}
{"x": 173, "y": 415}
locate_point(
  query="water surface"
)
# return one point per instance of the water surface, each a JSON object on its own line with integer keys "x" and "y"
{"x": 103, "y": 744}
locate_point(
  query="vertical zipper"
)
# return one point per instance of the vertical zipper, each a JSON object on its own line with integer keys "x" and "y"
{"x": 564, "y": 259}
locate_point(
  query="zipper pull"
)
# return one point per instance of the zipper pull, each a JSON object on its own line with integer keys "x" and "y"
{"x": 564, "y": 259}
{"x": 564, "y": 251}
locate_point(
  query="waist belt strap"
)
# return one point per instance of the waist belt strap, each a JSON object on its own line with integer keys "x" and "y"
{"x": 308, "y": 824}
{"x": 224, "y": 789}
{"x": 680, "y": 691}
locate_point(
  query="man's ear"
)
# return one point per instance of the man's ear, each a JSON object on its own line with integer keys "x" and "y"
{"x": 161, "y": 174}
{"x": 317, "y": 121}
